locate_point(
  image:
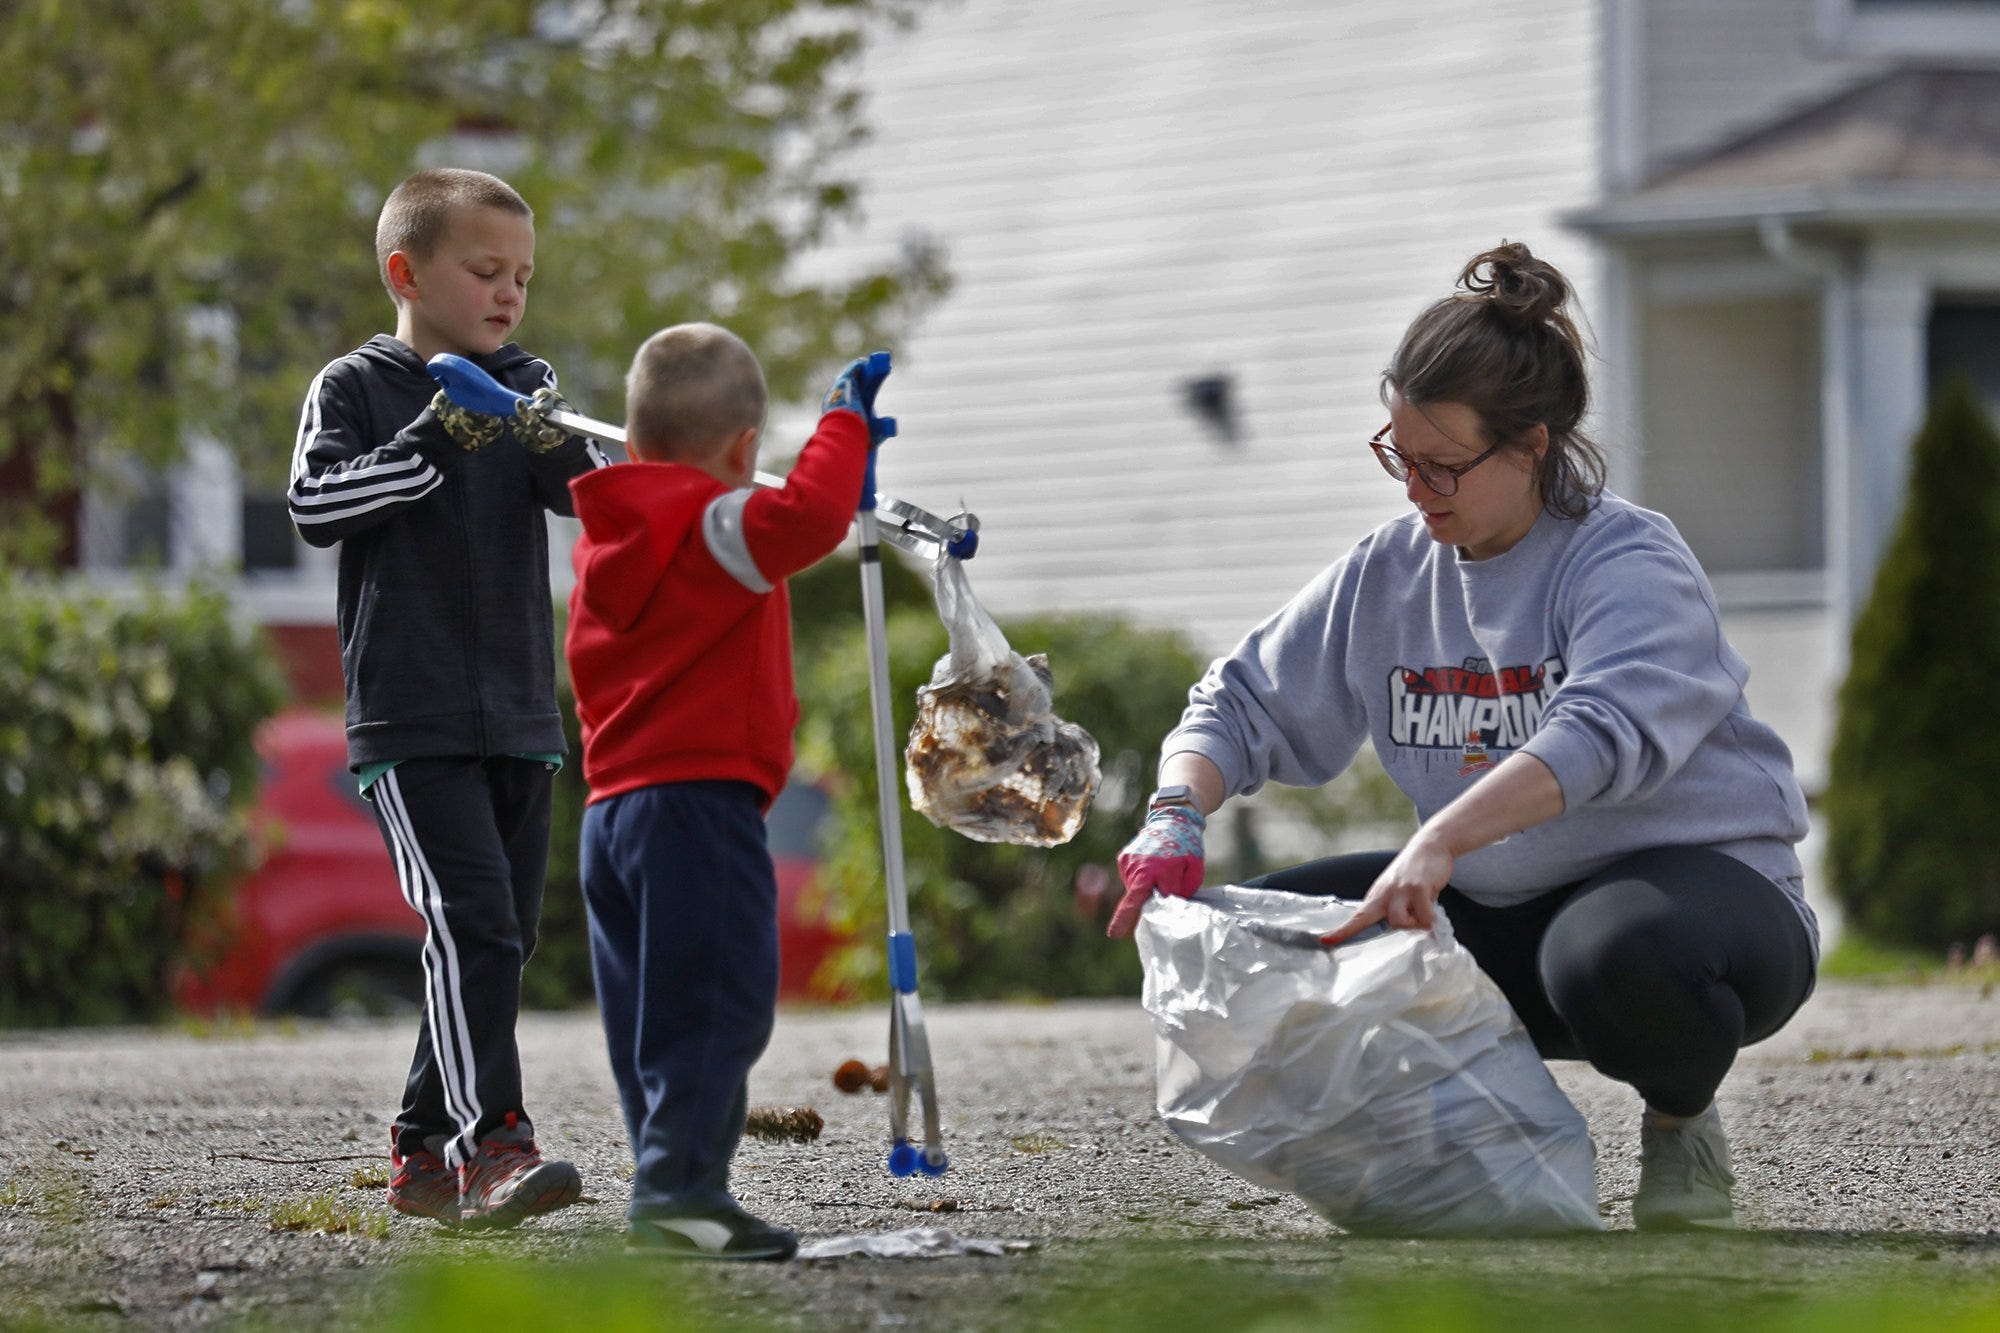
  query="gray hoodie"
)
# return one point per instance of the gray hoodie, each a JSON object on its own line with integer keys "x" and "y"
{"x": 1594, "y": 644}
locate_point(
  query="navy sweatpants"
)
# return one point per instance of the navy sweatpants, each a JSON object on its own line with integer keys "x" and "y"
{"x": 1656, "y": 970}
{"x": 683, "y": 905}
{"x": 470, "y": 839}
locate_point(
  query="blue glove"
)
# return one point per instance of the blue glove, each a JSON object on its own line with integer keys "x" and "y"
{"x": 854, "y": 391}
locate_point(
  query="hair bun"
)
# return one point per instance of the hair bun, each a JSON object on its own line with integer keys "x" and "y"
{"x": 1511, "y": 280}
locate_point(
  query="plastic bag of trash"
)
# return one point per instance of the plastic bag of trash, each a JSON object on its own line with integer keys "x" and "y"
{"x": 1386, "y": 1082}
{"x": 988, "y": 757}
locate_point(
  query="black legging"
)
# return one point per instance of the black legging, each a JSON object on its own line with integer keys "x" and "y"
{"x": 1657, "y": 969}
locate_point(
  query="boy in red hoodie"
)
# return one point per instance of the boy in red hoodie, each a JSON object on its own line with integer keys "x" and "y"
{"x": 680, "y": 650}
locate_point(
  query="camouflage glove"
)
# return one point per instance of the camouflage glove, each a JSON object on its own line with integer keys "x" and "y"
{"x": 531, "y": 421}
{"x": 468, "y": 430}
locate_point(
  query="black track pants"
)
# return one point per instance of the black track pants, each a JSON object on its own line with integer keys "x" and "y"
{"x": 1657, "y": 970}
{"x": 470, "y": 839}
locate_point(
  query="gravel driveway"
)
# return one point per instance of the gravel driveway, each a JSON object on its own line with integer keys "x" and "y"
{"x": 132, "y": 1194}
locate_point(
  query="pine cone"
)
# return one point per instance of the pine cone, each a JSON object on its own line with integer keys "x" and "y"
{"x": 789, "y": 1124}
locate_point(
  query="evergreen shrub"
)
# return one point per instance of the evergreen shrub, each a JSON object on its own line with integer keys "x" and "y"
{"x": 1912, "y": 802}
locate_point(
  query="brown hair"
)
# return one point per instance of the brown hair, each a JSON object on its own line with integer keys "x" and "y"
{"x": 417, "y": 213}
{"x": 1505, "y": 346}
{"x": 691, "y": 388}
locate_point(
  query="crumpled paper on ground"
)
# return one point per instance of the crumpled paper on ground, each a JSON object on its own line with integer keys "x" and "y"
{"x": 909, "y": 1243}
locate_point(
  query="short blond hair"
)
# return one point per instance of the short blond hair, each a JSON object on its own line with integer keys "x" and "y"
{"x": 692, "y": 388}
{"x": 417, "y": 214}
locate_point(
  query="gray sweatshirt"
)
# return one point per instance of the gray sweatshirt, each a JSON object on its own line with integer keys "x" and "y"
{"x": 1593, "y": 644}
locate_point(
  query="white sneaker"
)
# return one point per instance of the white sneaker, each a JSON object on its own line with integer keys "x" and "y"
{"x": 1684, "y": 1175}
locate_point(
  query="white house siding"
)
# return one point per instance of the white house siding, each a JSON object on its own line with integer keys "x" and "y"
{"x": 1134, "y": 194}
{"x": 1713, "y": 69}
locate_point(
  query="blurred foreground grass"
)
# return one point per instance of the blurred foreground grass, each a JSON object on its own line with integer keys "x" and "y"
{"x": 1156, "y": 1289}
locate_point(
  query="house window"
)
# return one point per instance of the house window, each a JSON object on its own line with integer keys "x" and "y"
{"x": 270, "y": 546}
{"x": 1939, "y": 28}
{"x": 1730, "y": 429}
{"x": 194, "y": 516}
{"x": 1964, "y": 338}
{"x": 144, "y": 530}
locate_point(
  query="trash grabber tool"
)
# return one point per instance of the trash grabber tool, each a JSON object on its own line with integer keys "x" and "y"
{"x": 902, "y": 524}
{"x": 878, "y": 518}
{"x": 909, "y": 1046}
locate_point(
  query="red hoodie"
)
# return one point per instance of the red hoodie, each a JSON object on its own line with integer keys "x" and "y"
{"x": 680, "y": 629}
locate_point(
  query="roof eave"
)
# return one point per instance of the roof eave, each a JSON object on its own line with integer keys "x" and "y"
{"x": 1640, "y": 216}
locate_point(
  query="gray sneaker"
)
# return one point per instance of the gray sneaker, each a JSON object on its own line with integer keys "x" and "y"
{"x": 1684, "y": 1175}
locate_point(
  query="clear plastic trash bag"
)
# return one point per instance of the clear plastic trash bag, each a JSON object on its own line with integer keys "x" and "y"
{"x": 1387, "y": 1082}
{"x": 988, "y": 757}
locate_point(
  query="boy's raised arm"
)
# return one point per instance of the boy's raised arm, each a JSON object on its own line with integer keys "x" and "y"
{"x": 792, "y": 526}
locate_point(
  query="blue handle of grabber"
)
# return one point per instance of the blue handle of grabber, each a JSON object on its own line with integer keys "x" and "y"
{"x": 472, "y": 388}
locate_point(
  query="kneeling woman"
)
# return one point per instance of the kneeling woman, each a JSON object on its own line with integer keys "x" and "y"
{"x": 1541, "y": 667}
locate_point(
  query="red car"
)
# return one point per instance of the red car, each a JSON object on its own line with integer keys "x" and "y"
{"x": 321, "y": 928}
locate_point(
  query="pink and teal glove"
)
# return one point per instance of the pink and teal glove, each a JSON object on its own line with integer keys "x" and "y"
{"x": 1165, "y": 857}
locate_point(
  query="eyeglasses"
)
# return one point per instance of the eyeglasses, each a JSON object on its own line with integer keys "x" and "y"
{"x": 1441, "y": 478}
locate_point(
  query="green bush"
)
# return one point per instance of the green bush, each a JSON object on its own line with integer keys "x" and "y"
{"x": 993, "y": 920}
{"x": 1913, "y": 841}
{"x": 126, "y": 759}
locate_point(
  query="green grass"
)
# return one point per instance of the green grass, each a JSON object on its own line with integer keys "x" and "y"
{"x": 1217, "y": 1301}
{"x": 60, "y": 1195}
{"x": 605, "y": 1295}
{"x": 1854, "y": 958}
{"x": 326, "y": 1214}
{"x": 1423, "y": 1290}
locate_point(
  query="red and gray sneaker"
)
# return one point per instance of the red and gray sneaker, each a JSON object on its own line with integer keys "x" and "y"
{"x": 422, "y": 1185}
{"x": 507, "y": 1182}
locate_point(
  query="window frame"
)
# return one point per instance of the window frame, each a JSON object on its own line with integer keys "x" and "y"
{"x": 1923, "y": 28}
